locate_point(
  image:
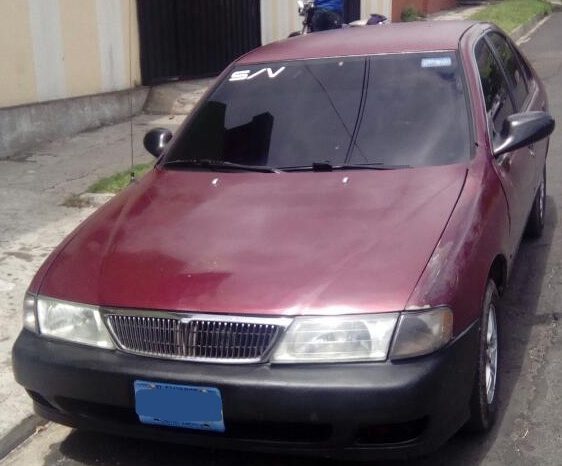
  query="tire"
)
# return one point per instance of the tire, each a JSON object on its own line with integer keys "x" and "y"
{"x": 484, "y": 400}
{"x": 535, "y": 224}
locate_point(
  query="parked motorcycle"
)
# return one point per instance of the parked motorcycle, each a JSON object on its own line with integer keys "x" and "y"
{"x": 329, "y": 20}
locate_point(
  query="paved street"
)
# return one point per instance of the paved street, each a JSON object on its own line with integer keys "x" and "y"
{"x": 529, "y": 428}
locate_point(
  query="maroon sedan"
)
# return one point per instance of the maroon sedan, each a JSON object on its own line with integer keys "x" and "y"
{"x": 315, "y": 262}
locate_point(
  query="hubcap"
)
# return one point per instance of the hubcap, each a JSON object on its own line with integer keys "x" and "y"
{"x": 491, "y": 355}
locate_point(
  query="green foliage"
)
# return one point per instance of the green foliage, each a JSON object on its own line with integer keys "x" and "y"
{"x": 508, "y": 14}
{"x": 410, "y": 14}
{"x": 119, "y": 181}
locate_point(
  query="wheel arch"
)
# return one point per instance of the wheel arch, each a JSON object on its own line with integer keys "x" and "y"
{"x": 498, "y": 273}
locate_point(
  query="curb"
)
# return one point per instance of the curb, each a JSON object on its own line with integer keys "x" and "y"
{"x": 19, "y": 434}
{"x": 87, "y": 200}
{"x": 96, "y": 199}
{"x": 527, "y": 27}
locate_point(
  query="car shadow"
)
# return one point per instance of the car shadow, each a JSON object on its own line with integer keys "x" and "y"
{"x": 518, "y": 315}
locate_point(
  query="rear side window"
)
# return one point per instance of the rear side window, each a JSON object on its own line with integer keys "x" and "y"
{"x": 512, "y": 67}
{"x": 496, "y": 91}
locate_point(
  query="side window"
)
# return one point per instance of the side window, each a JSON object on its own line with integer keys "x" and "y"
{"x": 528, "y": 73}
{"x": 512, "y": 67}
{"x": 496, "y": 91}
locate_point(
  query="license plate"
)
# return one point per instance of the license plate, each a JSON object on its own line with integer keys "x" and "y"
{"x": 181, "y": 406}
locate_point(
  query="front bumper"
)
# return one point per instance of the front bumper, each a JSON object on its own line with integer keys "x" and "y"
{"x": 360, "y": 411}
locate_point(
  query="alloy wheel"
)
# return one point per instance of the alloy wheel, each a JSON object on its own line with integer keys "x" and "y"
{"x": 491, "y": 355}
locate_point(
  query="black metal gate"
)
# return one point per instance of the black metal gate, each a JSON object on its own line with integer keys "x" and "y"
{"x": 182, "y": 39}
{"x": 194, "y": 38}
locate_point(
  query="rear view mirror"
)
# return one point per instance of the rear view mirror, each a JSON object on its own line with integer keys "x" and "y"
{"x": 521, "y": 130}
{"x": 156, "y": 140}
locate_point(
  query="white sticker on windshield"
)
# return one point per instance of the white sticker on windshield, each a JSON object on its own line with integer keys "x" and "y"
{"x": 436, "y": 62}
{"x": 247, "y": 75}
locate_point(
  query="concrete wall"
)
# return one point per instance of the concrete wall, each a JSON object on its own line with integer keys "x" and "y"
{"x": 58, "y": 49}
{"x": 280, "y": 17}
{"x": 26, "y": 126}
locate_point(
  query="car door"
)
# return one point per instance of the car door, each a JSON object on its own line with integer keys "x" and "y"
{"x": 517, "y": 169}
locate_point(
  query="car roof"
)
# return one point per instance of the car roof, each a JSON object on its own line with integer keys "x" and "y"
{"x": 418, "y": 36}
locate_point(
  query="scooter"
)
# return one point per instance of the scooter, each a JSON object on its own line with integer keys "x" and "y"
{"x": 307, "y": 9}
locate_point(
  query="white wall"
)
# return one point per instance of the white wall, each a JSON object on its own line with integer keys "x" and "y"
{"x": 55, "y": 49}
{"x": 382, "y": 7}
{"x": 46, "y": 35}
{"x": 112, "y": 53}
{"x": 278, "y": 19}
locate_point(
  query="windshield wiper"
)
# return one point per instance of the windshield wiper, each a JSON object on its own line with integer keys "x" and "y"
{"x": 328, "y": 167}
{"x": 220, "y": 164}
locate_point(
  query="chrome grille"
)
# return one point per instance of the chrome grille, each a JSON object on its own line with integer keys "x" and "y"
{"x": 195, "y": 338}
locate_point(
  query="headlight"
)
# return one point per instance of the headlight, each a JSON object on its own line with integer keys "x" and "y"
{"x": 421, "y": 333}
{"x": 335, "y": 339}
{"x": 72, "y": 322}
{"x": 29, "y": 316}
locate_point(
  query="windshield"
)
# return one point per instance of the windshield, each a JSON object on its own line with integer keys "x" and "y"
{"x": 397, "y": 110}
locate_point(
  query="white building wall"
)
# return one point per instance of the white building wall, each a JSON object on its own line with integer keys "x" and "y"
{"x": 382, "y": 7}
{"x": 278, "y": 19}
{"x": 112, "y": 48}
{"x": 47, "y": 49}
{"x": 56, "y": 49}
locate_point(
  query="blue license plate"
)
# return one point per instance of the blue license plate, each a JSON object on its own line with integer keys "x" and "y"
{"x": 182, "y": 406}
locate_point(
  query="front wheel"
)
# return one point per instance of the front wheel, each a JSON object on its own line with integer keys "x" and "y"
{"x": 484, "y": 400}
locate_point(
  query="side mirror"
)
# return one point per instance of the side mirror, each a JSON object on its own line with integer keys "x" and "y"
{"x": 521, "y": 130}
{"x": 156, "y": 140}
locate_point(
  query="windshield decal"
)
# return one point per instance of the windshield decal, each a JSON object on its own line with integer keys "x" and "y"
{"x": 247, "y": 75}
{"x": 436, "y": 62}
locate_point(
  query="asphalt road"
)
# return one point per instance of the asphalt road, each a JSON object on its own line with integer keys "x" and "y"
{"x": 529, "y": 428}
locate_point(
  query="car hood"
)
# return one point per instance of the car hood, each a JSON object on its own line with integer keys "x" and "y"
{"x": 253, "y": 243}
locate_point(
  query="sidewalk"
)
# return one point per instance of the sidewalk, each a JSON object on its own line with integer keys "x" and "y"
{"x": 33, "y": 222}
